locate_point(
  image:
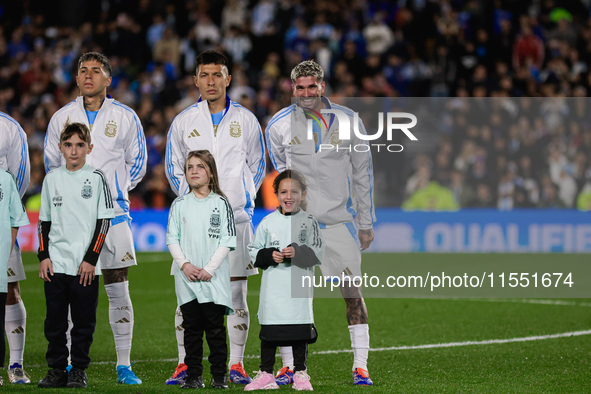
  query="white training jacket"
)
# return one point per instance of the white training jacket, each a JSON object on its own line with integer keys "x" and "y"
{"x": 14, "y": 152}
{"x": 119, "y": 146}
{"x": 237, "y": 146}
{"x": 340, "y": 183}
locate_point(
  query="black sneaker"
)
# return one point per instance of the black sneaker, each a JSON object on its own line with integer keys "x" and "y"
{"x": 77, "y": 378}
{"x": 55, "y": 378}
{"x": 220, "y": 382}
{"x": 193, "y": 382}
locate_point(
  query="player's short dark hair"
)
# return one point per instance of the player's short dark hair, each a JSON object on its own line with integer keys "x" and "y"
{"x": 99, "y": 57}
{"x": 211, "y": 57}
{"x": 75, "y": 128}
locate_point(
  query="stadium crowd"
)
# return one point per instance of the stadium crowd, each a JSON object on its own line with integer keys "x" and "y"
{"x": 529, "y": 154}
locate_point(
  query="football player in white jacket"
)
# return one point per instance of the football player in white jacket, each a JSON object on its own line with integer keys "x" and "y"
{"x": 14, "y": 157}
{"x": 234, "y": 136}
{"x": 340, "y": 191}
{"x": 120, "y": 152}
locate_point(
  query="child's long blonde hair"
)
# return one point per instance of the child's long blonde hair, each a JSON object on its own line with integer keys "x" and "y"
{"x": 207, "y": 158}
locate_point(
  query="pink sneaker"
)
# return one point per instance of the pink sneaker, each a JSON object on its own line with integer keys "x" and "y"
{"x": 263, "y": 381}
{"x": 301, "y": 381}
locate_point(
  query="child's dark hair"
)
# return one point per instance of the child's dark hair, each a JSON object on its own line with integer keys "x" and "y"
{"x": 99, "y": 57}
{"x": 295, "y": 175}
{"x": 207, "y": 158}
{"x": 211, "y": 57}
{"x": 75, "y": 128}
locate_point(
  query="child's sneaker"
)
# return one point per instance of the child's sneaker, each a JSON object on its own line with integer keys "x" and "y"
{"x": 238, "y": 375}
{"x": 193, "y": 382}
{"x": 301, "y": 381}
{"x": 179, "y": 375}
{"x": 219, "y": 382}
{"x": 126, "y": 376}
{"x": 17, "y": 374}
{"x": 263, "y": 381}
{"x": 284, "y": 376}
{"x": 361, "y": 377}
{"x": 55, "y": 378}
{"x": 77, "y": 379}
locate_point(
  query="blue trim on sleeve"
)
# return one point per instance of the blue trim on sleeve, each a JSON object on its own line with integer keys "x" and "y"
{"x": 120, "y": 219}
{"x": 258, "y": 179}
{"x": 284, "y": 112}
{"x": 169, "y": 166}
{"x": 271, "y": 155}
{"x": 281, "y": 114}
{"x": 350, "y": 208}
{"x": 20, "y": 176}
{"x": 370, "y": 178}
{"x": 141, "y": 139}
{"x": 248, "y": 206}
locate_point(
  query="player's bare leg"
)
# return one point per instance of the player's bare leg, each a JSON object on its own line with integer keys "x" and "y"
{"x": 121, "y": 320}
{"x": 359, "y": 331}
{"x": 238, "y": 324}
{"x": 15, "y": 325}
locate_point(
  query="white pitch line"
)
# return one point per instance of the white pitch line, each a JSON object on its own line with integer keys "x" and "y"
{"x": 413, "y": 347}
{"x": 467, "y": 343}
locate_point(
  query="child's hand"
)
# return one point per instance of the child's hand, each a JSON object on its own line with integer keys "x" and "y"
{"x": 204, "y": 276}
{"x": 277, "y": 257}
{"x": 191, "y": 272}
{"x": 46, "y": 266}
{"x": 86, "y": 272}
{"x": 289, "y": 252}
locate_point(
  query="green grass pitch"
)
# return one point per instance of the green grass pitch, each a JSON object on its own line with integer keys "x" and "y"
{"x": 560, "y": 364}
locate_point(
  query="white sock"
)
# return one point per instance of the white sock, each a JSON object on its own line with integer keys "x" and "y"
{"x": 121, "y": 319}
{"x": 180, "y": 334}
{"x": 360, "y": 344}
{"x": 238, "y": 322}
{"x": 15, "y": 325}
{"x": 286, "y": 356}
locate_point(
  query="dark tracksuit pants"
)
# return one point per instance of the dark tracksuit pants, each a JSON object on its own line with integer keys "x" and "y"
{"x": 209, "y": 318}
{"x": 268, "y": 349}
{"x": 63, "y": 291}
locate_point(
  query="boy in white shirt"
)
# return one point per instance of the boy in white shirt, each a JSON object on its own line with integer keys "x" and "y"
{"x": 76, "y": 208}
